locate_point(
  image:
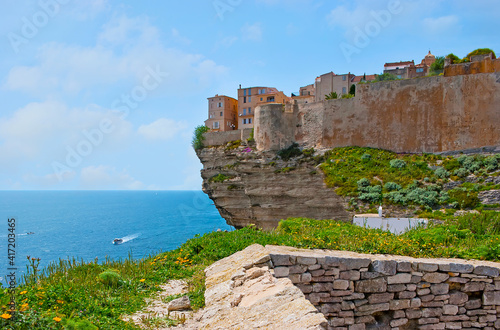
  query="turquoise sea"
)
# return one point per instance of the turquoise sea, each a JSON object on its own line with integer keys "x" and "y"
{"x": 83, "y": 224}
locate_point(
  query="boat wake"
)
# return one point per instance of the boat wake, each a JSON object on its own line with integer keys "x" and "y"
{"x": 127, "y": 238}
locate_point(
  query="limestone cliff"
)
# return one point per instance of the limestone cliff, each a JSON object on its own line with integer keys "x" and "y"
{"x": 250, "y": 187}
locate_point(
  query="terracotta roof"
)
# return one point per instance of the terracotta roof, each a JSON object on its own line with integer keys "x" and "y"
{"x": 369, "y": 77}
{"x": 399, "y": 63}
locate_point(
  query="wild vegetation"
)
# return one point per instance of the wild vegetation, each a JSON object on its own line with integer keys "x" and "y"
{"x": 198, "y": 137}
{"x": 428, "y": 181}
{"x": 91, "y": 295}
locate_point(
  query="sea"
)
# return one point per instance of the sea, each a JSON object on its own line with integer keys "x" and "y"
{"x": 53, "y": 225}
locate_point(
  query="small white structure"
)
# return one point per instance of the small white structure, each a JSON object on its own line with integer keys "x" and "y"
{"x": 394, "y": 225}
{"x": 380, "y": 211}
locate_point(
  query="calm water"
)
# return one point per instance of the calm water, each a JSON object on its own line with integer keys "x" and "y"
{"x": 83, "y": 224}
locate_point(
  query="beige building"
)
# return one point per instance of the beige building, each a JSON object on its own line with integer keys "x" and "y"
{"x": 222, "y": 113}
{"x": 251, "y": 98}
{"x": 330, "y": 82}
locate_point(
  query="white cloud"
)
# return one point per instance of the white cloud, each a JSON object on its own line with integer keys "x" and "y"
{"x": 161, "y": 129}
{"x": 179, "y": 38}
{"x": 441, "y": 24}
{"x": 252, "y": 32}
{"x": 43, "y": 131}
{"x": 124, "y": 49}
{"x": 108, "y": 178}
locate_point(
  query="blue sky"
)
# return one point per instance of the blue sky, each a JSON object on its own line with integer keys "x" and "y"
{"x": 102, "y": 94}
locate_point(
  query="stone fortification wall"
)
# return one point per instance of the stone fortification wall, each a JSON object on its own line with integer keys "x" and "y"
{"x": 222, "y": 138}
{"x": 486, "y": 65}
{"x": 358, "y": 291}
{"x": 431, "y": 114}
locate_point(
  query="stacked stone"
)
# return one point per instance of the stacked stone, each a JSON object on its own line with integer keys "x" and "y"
{"x": 360, "y": 293}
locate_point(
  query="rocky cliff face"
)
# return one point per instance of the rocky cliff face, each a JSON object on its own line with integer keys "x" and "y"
{"x": 250, "y": 187}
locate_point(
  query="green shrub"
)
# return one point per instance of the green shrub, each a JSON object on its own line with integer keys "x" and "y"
{"x": 233, "y": 145}
{"x": 219, "y": 178}
{"x": 461, "y": 172}
{"x": 110, "y": 278}
{"x": 391, "y": 186}
{"x": 331, "y": 96}
{"x": 397, "y": 163}
{"x": 363, "y": 184}
{"x": 251, "y": 138}
{"x": 465, "y": 199}
{"x": 347, "y": 96}
{"x": 198, "y": 137}
{"x": 290, "y": 152}
{"x": 309, "y": 152}
{"x": 366, "y": 157}
{"x": 442, "y": 173}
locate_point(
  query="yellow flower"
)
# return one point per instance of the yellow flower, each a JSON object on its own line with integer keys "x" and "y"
{"x": 57, "y": 319}
{"x": 24, "y": 292}
{"x": 142, "y": 280}
{"x": 6, "y": 316}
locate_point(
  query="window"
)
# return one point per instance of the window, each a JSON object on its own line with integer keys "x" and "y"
{"x": 344, "y": 90}
{"x": 244, "y": 112}
{"x": 270, "y": 99}
{"x": 245, "y": 99}
{"x": 343, "y": 78}
{"x": 221, "y": 113}
{"x": 249, "y": 111}
{"x": 249, "y": 92}
{"x": 216, "y": 125}
{"x": 244, "y": 121}
{"x": 262, "y": 91}
{"x": 220, "y": 104}
{"x": 211, "y": 115}
{"x": 399, "y": 76}
{"x": 244, "y": 92}
{"x": 419, "y": 70}
{"x": 249, "y": 99}
{"x": 249, "y": 120}
{"x": 261, "y": 98}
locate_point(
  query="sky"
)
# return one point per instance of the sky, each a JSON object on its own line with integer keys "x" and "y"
{"x": 105, "y": 95}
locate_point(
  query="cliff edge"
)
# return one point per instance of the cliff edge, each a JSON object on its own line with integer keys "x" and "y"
{"x": 251, "y": 187}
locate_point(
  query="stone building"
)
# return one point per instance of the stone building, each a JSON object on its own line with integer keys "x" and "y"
{"x": 408, "y": 69}
{"x": 222, "y": 113}
{"x": 250, "y": 98}
{"x": 332, "y": 83}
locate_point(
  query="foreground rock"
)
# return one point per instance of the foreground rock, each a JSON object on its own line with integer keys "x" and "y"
{"x": 240, "y": 295}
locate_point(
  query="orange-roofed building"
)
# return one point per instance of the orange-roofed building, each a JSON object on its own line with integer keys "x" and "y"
{"x": 222, "y": 113}
{"x": 251, "y": 98}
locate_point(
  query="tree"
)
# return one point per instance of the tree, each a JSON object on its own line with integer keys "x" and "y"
{"x": 437, "y": 66}
{"x": 331, "y": 96}
{"x": 386, "y": 77}
{"x": 352, "y": 90}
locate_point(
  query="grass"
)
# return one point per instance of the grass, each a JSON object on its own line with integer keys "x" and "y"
{"x": 74, "y": 292}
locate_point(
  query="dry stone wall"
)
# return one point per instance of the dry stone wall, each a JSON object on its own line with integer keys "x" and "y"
{"x": 356, "y": 291}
